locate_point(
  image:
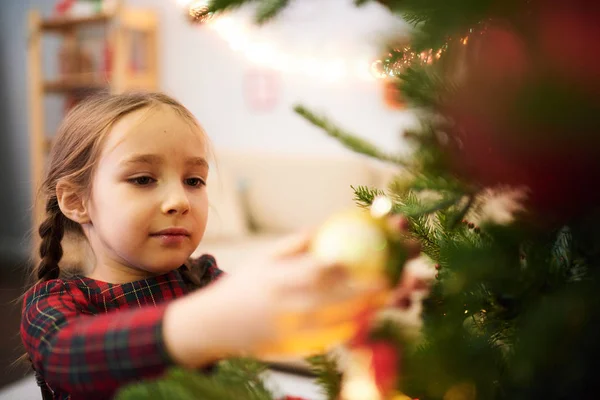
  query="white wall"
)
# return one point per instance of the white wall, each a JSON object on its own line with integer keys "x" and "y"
{"x": 199, "y": 68}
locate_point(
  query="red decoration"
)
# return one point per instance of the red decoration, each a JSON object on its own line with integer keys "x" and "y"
{"x": 569, "y": 34}
{"x": 392, "y": 95}
{"x": 384, "y": 356}
{"x": 385, "y": 365}
{"x": 508, "y": 131}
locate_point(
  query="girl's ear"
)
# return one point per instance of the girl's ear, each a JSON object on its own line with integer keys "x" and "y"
{"x": 71, "y": 202}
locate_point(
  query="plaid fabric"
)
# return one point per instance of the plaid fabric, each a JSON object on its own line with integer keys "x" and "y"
{"x": 87, "y": 338}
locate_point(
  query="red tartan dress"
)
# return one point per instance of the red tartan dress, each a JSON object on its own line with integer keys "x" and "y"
{"x": 88, "y": 338}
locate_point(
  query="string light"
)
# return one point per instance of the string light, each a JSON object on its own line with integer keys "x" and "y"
{"x": 200, "y": 14}
{"x": 236, "y": 34}
{"x": 401, "y": 58}
{"x": 377, "y": 69}
{"x": 333, "y": 69}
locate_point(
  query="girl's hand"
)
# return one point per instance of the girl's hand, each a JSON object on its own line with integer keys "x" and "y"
{"x": 291, "y": 304}
{"x": 286, "y": 304}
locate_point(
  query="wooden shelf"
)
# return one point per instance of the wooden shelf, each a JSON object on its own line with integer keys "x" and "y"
{"x": 72, "y": 85}
{"x": 47, "y": 144}
{"x": 66, "y": 23}
{"x": 121, "y": 24}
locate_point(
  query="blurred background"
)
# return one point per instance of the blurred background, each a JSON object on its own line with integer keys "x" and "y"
{"x": 276, "y": 173}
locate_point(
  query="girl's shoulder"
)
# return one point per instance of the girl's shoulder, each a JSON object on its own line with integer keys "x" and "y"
{"x": 59, "y": 290}
{"x": 82, "y": 290}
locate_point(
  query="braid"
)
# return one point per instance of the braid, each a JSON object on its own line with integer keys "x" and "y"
{"x": 196, "y": 272}
{"x": 190, "y": 277}
{"x": 51, "y": 231}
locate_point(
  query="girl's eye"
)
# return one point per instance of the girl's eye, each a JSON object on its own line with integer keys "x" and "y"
{"x": 194, "y": 182}
{"x": 141, "y": 180}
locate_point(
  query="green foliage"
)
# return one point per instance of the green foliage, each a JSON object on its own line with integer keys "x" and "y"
{"x": 327, "y": 374}
{"x": 437, "y": 20}
{"x": 268, "y": 9}
{"x": 234, "y": 379}
{"x": 424, "y": 87}
{"x": 500, "y": 290}
{"x": 363, "y": 196}
{"x": 225, "y": 5}
{"x": 349, "y": 140}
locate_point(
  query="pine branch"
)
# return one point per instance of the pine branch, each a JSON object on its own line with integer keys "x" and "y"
{"x": 268, "y": 9}
{"x": 244, "y": 371}
{"x": 351, "y": 141}
{"x": 421, "y": 226}
{"x": 460, "y": 214}
{"x": 561, "y": 250}
{"x": 427, "y": 238}
{"x": 424, "y": 86}
{"x": 442, "y": 204}
{"x": 438, "y": 183}
{"x": 359, "y": 3}
{"x": 421, "y": 208}
{"x": 225, "y": 5}
{"x": 436, "y": 20}
{"x": 235, "y": 379}
{"x": 364, "y": 196}
{"x": 328, "y": 377}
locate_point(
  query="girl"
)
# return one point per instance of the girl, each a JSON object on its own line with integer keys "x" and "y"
{"x": 127, "y": 173}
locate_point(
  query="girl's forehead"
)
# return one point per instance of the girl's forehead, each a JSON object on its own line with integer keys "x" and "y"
{"x": 154, "y": 127}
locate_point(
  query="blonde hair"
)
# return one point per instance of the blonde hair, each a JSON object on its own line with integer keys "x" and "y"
{"x": 74, "y": 156}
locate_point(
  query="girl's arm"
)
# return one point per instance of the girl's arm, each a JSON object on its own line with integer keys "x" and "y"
{"x": 83, "y": 353}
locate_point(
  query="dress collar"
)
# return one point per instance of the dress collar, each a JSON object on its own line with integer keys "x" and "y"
{"x": 149, "y": 291}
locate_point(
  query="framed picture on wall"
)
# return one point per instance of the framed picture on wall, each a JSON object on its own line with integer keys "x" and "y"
{"x": 262, "y": 89}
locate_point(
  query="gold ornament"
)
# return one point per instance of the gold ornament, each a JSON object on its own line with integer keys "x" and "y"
{"x": 307, "y": 342}
{"x": 356, "y": 240}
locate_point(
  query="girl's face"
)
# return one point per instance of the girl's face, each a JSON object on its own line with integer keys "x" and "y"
{"x": 148, "y": 203}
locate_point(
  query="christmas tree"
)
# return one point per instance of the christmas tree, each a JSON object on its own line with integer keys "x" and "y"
{"x": 500, "y": 190}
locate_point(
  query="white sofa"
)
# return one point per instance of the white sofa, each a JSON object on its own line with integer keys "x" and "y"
{"x": 256, "y": 198}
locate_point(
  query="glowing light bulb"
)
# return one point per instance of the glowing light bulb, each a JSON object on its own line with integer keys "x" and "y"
{"x": 377, "y": 69}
